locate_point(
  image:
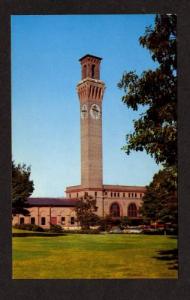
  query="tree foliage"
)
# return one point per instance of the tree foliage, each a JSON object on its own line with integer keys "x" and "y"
{"x": 22, "y": 188}
{"x": 85, "y": 211}
{"x": 156, "y": 130}
{"x": 160, "y": 200}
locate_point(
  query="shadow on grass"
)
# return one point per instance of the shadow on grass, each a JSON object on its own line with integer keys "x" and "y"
{"x": 40, "y": 234}
{"x": 174, "y": 237}
{"x": 171, "y": 256}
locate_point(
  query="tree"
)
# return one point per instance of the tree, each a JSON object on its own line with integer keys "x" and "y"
{"x": 107, "y": 222}
{"x": 22, "y": 188}
{"x": 160, "y": 200}
{"x": 156, "y": 129}
{"x": 85, "y": 211}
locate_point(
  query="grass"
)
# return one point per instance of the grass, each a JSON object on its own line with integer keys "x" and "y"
{"x": 85, "y": 256}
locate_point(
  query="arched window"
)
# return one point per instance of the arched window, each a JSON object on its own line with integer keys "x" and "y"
{"x": 43, "y": 221}
{"x": 21, "y": 220}
{"x": 115, "y": 210}
{"x": 93, "y": 71}
{"x": 84, "y": 75}
{"x": 132, "y": 210}
{"x": 72, "y": 220}
{"x": 33, "y": 220}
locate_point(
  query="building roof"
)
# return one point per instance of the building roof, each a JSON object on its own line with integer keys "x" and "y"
{"x": 107, "y": 187}
{"x": 52, "y": 202}
{"x": 124, "y": 188}
{"x": 93, "y": 56}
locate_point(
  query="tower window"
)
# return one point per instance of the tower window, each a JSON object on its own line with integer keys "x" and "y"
{"x": 123, "y": 194}
{"x": 93, "y": 71}
{"x": 114, "y": 194}
{"x": 111, "y": 194}
{"x": 95, "y": 194}
{"x": 84, "y": 75}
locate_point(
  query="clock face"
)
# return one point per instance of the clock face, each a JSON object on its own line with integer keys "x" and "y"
{"x": 84, "y": 111}
{"x": 95, "y": 111}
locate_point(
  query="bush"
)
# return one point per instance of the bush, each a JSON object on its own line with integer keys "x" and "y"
{"x": 30, "y": 227}
{"x": 156, "y": 231}
{"x": 56, "y": 228}
{"x": 106, "y": 223}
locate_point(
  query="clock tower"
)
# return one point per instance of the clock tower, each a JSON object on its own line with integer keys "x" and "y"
{"x": 90, "y": 91}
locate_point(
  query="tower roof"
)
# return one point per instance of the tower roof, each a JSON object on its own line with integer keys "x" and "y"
{"x": 89, "y": 55}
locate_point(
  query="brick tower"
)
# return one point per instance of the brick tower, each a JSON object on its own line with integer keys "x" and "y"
{"x": 90, "y": 91}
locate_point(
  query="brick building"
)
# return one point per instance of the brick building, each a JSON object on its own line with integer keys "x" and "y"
{"x": 115, "y": 200}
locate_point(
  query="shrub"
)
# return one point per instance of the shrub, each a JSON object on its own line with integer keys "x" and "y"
{"x": 30, "y": 227}
{"x": 106, "y": 223}
{"x": 56, "y": 228}
{"x": 157, "y": 231}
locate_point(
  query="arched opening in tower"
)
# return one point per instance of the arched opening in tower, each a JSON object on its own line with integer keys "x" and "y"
{"x": 84, "y": 75}
{"x": 93, "y": 71}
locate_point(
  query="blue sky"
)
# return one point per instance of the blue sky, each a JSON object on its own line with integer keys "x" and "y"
{"x": 45, "y": 106}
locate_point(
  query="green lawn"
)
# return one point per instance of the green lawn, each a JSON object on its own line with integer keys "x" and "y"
{"x": 94, "y": 256}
